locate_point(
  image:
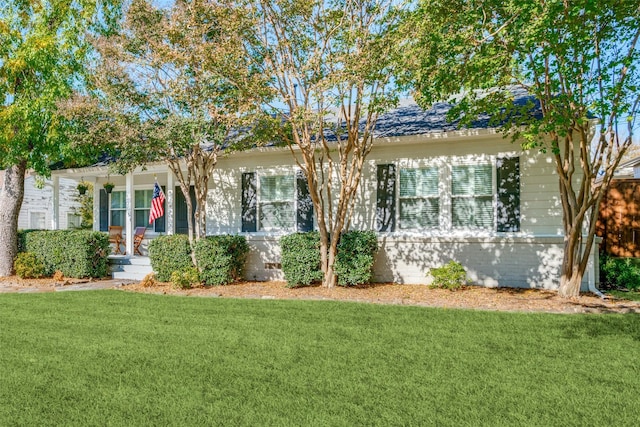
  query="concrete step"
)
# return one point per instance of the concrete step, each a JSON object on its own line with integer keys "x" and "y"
{"x": 131, "y": 268}
{"x": 123, "y": 275}
{"x": 124, "y": 260}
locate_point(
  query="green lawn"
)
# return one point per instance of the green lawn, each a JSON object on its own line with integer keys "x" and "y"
{"x": 116, "y": 358}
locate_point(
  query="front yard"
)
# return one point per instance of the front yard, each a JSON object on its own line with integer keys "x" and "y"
{"x": 116, "y": 358}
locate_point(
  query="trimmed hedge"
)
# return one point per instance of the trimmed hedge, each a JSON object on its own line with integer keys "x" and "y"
{"x": 76, "y": 253}
{"x": 354, "y": 260}
{"x": 353, "y": 265}
{"x": 301, "y": 258}
{"x": 169, "y": 254}
{"x": 221, "y": 259}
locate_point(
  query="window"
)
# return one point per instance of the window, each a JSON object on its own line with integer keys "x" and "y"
{"x": 142, "y": 207}
{"x": 37, "y": 220}
{"x": 472, "y": 196}
{"x": 118, "y": 208}
{"x": 419, "y": 199}
{"x": 276, "y": 202}
{"x": 73, "y": 220}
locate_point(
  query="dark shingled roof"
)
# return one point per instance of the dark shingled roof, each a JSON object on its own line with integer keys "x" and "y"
{"x": 409, "y": 119}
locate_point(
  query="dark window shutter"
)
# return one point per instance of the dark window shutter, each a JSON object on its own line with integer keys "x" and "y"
{"x": 249, "y": 202}
{"x": 160, "y": 223}
{"x": 104, "y": 210}
{"x": 182, "y": 224}
{"x": 305, "y": 204}
{"x": 508, "y": 169}
{"x": 386, "y": 198}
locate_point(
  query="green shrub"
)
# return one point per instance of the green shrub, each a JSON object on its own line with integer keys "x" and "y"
{"x": 301, "y": 258}
{"x": 356, "y": 253}
{"x": 186, "y": 278}
{"x": 169, "y": 254}
{"x": 221, "y": 259}
{"x": 620, "y": 273}
{"x": 450, "y": 276}
{"x": 28, "y": 266}
{"x": 76, "y": 253}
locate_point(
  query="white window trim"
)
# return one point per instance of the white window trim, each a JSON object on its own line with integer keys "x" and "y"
{"x": 37, "y": 211}
{"x": 276, "y": 172}
{"x": 150, "y": 230}
{"x": 445, "y": 164}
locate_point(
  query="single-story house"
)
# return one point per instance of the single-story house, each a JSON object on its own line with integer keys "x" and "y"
{"x": 50, "y": 206}
{"x": 432, "y": 191}
{"x": 619, "y": 220}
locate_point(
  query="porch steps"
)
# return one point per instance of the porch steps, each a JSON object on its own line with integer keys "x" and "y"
{"x": 130, "y": 268}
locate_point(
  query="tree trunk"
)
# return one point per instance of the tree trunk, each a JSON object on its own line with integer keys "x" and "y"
{"x": 10, "y": 204}
{"x": 330, "y": 279}
{"x": 572, "y": 270}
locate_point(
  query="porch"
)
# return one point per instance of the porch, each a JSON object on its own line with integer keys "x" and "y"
{"x": 126, "y": 202}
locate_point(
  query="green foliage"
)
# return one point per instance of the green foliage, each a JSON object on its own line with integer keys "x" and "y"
{"x": 44, "y": 50}
{"x": 169, "y": 254}
{"x": 221, "y": 259}
{"x": 85, "y": 208}
{"x": 186, "y": 278}
{"x": 620, "y": 272}
{"x": 356, "y": 253}
{"x": 301, "y": 258}
{"x": 28, "y": 266}
{"x": 450, "y": 276}
{"x": 76, "y": 253}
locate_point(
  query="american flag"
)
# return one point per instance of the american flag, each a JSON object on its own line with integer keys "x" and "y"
{"x": 157, "y": 203}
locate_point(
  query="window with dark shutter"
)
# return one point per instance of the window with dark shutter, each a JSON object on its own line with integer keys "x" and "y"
{"x": 305, "y": 204}
{"x": 419, "y": 199}
{"x": 508, "y": 177}
{"x": 104, "y": 210}
{"x": 472, "y": 196}
{"x": 249, "y": 202}
{"x": 386, "y": 198}
{"x": 181, "y": 216}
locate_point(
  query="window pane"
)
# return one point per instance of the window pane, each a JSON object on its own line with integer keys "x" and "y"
{"x": 419, "y": 213}
{"x": 482, "y": 180}
{"x": 276, "y": 188}
{"x": 117, "y": 218}
{"x": 143, "y": 198}
{"x": 277, "y": 216}
{"x": 141, "y": 217}
{"x": 476, "y": 212}
{"x": 118, "y": 200}
{"x": 37, "y": 221}
{"x": 471, "y": 180}
{"x": 419, "y": 182}
{"x": 460, "y": 180}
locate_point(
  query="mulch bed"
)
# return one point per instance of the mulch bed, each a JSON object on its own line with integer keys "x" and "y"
{"x": 470, "y": 297}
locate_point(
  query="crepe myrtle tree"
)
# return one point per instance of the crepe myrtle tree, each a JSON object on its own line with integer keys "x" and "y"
{"x": 176, "y": 85}
{"x": 332, "y": 65}
{"x": 579, "y": 61}
{"x": 44, "y": 51}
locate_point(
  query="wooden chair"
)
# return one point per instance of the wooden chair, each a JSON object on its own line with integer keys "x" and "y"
{"x": 138, "y": 236}
{"x": 115, "y": 237}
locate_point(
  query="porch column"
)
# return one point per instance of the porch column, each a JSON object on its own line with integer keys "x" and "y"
{"x": 129, "y": 213}
{"x": 170, "y": 203}
{"x": 55, "y": 211}
{"x": 96, "y": 205}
